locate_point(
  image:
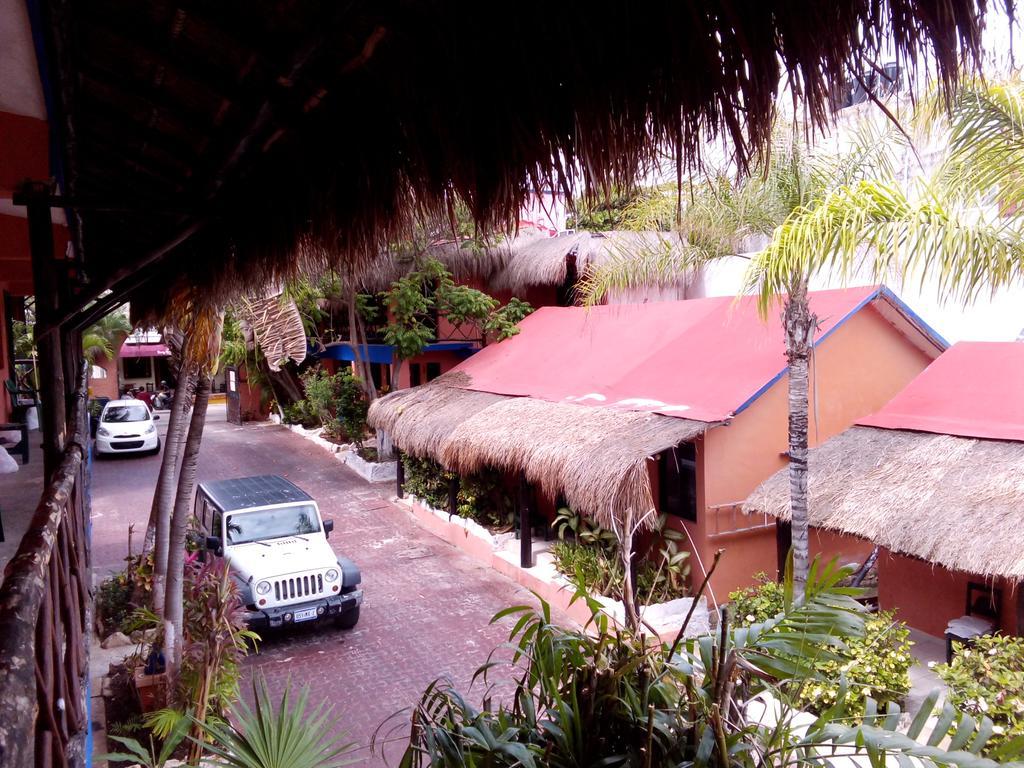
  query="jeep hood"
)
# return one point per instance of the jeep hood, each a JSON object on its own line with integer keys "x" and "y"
{"x": 281, "y": 557}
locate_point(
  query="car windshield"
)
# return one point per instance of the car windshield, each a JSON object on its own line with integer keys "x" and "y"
{"x": 121, "y": 413}
{"x": 246, "y": 527}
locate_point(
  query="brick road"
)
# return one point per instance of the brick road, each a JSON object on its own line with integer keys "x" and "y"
{"x": 427, "y": 605}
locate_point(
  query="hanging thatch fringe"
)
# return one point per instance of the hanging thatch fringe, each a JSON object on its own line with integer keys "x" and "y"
{"x": 949, "y": 500}
{"x": 595, "y": 458}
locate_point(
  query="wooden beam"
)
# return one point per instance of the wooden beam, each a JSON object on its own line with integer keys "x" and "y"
{"x": 525, "y": 524}
{"x": 47, "y": 308}
{"x": 399, "y": 476}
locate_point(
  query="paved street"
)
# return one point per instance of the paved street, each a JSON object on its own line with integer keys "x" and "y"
{"x": 427, "y": 605}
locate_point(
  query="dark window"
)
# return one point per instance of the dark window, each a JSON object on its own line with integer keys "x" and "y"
{"x": 137, "y": 367}
{"x": 678, "y": 482}
{"x": 415, "y": 375}
{"x": 377, "y": 374}
{"x": 433, "y": 371}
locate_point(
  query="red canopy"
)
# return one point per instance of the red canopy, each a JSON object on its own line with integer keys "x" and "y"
{"x": 976, "y": 389}
{"x": 145, "y": 350}
{"x": 702, "y": 359}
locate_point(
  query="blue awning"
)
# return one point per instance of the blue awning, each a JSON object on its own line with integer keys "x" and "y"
{"x": 385, "y": 353}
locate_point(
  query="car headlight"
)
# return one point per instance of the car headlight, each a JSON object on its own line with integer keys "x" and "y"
{"x": 150, "y": 429}
{"x": 103, "y": 432}
{"x": 331, "y": 575}
{"x": 262, "y": 588}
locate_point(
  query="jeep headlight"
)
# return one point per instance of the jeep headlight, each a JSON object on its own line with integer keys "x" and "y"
{"x": 331, "y": 575}
{"x": 102, "y": 432}
{"x": 263, "y": 588}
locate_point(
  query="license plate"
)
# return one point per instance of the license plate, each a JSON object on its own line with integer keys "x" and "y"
{"x": 305, "y": 615}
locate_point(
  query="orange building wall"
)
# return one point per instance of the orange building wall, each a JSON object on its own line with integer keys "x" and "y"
{"x": 105, "y": 387}
{"x": 927, "y": 596}
{"x": 861, "y": 366}
{"x": 447, "y": 360}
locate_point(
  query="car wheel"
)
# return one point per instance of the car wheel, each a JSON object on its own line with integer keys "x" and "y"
{"x": 156, "y": 450}
{"x": 348, "y": 619}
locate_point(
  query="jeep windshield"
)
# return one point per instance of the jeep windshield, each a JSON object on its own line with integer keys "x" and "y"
{"x": 247, "y": 527}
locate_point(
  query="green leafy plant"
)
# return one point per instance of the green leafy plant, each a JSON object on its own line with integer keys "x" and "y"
{"x": 283, "y": 735}
{"x": 481, "y": 497}
{"x": 604, "y": 696}
{"x": 155, "y": 754}
{"x": 336, "y": 402}
{"x": 587, "y": 551}
{"x": 876, "y": 665}
{"x": 986, "y": 679}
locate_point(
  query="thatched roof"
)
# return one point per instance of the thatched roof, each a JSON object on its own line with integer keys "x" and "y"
{"x": 954, "y": 501}
{"x": 542, "y": 261}
{"x": 203, "y": 141}
{"x": 595, "y": 458}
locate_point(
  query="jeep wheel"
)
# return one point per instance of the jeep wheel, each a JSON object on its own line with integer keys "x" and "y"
{"x": 348, "y": 619}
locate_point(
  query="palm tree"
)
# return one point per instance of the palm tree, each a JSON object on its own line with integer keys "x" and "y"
{"x": 721, "y": 214}
{"x": 99, "y": 339}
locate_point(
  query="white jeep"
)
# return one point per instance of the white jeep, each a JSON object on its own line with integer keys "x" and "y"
{"x": 274, "y": 540}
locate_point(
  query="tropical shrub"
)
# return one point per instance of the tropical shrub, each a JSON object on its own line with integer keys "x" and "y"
{"x": 122, "y": 592}
{"x": 876, "y": 665}
{"x": 287, "y": 734}
{"x": 611, "y": 698}
{"x": 481, "y": 497}
{"x": 987, "y": 679}
{"x": 589, "y": 553}
{"x": 335, "y": 402}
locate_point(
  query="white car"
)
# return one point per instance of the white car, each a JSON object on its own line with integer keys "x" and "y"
{"x": 126, "y": 426}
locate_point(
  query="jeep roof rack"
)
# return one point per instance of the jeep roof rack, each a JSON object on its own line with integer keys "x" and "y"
{"x": 248, "y": 492}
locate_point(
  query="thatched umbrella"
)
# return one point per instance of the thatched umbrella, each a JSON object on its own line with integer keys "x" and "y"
{"x": 954, "y": 501}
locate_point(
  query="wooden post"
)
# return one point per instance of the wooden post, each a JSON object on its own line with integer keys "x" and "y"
{"x": 453, "y": 496}
{"x": 783, "y": 543}
{"x": 52, "y": 391}
{"x": 399, "y": 476}
{"x": 525, "y": 524}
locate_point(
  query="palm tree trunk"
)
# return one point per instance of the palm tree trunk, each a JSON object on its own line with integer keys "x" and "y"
{"x": 173, "y": 610}
{"x": 163, "y": 500}
{"x": 800, "y": 325}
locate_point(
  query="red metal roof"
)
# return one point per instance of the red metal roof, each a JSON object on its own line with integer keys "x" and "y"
{"x": 975, "y": 389}
{"x": 702, "y": 359}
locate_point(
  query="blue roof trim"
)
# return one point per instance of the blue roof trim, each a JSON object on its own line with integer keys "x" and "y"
{"x": 881, "y": 292}
{"x": 385, "y": 353}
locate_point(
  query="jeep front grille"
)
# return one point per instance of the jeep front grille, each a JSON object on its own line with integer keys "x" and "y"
{"x": 298, "y": 586}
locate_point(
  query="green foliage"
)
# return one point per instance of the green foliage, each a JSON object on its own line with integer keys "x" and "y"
{"x": 336, "y": 402}
{"x": 121, "y": 593}
{"x": 758, "y": 603}
{"x": 150, "y": 756}
{"x": 114, "y": 600}
{"x": 24, "y": 338}
{"x": 590, "y": 554}
{"x": 876, "y": 665}
{"x": 640, "y": 210}
{"x": 606, "y": 697}
{"x": 414, "y": 299}
{"x": 287, "y": 734}
{"x": 987, "y": 680}
{"x": 481, "y": 497}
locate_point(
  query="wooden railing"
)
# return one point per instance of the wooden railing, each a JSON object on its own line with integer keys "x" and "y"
{"x": 726, "y": 520}
{"x": 45, "y": 611}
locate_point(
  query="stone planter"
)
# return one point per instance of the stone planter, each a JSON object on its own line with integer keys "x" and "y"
{"x": 151, "y": 690}
{"x": 372, "y": 471}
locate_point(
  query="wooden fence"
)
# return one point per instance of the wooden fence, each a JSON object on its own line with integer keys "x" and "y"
{"x": 45, "y": 611}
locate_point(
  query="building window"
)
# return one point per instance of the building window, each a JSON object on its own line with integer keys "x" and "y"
{"x": 137, "y": 367}
{"x": 678, "y": 482}
{"x": 433, "y": 371}
{"x": 415, "y": 375}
